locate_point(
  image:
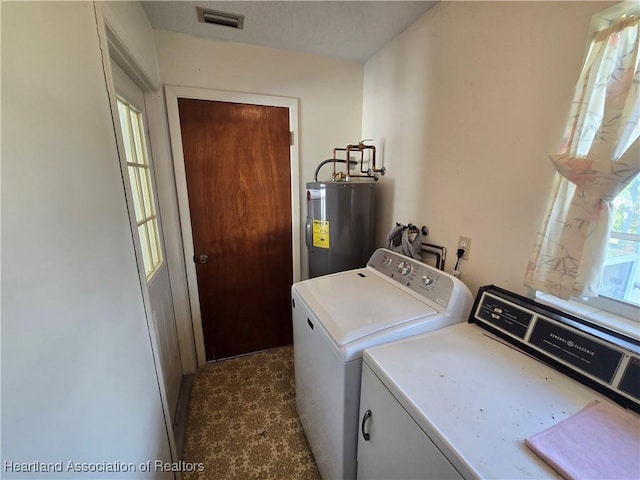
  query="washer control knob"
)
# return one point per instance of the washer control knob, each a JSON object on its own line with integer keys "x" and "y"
{"x": 386, "y": 259}
{"x": 404, "y": 267}
{"x": 427, "y": 279}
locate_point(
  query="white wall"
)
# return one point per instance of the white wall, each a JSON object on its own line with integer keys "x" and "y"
{"x": 466, "y": 105}
{"x": 78, "y": 377}
{"x": 329, "y": 91}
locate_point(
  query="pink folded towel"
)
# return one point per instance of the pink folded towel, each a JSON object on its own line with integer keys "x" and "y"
{"x": 602, "y": 441}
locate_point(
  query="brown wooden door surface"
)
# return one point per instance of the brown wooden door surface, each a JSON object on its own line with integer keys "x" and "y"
{"x": 239, "y": 187}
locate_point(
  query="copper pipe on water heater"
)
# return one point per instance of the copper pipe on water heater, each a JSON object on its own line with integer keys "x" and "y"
{"x": 360, "y": 147}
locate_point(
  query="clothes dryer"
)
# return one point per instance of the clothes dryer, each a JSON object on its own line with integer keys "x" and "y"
{"x": 465, "y": 401}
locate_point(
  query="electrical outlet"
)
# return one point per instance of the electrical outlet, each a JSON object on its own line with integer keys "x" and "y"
{"x": 465, "y": 242}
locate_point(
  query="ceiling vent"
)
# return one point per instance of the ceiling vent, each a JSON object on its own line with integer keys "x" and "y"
{"x": 221, "y": 18}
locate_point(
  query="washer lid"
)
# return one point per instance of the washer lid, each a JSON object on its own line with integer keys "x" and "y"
{"x": 357, "y": 303}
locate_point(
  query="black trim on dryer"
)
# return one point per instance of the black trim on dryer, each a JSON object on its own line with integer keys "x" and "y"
{"x": 601, "y": 359}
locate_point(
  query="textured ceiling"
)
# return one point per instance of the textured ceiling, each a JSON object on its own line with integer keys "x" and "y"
{"x": 351, "y": 30}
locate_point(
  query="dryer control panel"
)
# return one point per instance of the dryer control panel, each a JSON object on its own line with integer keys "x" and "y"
{"x": 602, "y": 359}
{"x": 423, "y": 280}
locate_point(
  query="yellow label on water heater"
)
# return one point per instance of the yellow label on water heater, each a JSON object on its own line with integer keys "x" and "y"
{"x": 320, "y": 234}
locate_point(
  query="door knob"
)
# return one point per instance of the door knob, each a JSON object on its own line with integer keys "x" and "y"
{"x": 203, "y": 258}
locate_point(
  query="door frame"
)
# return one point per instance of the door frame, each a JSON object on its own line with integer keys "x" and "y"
{"x": 117, "y": 51}
{"x": 172, "y": 93}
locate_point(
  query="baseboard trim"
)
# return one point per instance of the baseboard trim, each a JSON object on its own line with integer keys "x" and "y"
{"x": 182, "y": 412}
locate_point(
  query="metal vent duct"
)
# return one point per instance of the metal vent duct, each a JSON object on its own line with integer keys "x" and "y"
{"x": 214, "y": 17}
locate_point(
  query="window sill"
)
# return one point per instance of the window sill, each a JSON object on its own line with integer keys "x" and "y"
{"x": 623, "y": 325}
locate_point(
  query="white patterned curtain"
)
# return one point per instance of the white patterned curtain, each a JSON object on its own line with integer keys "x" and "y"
{"x": 598, "y": 157}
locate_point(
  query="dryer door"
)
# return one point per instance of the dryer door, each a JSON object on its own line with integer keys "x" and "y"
{"x": 390, "y": 443}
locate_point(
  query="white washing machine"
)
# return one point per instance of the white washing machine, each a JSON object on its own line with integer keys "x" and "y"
{"x": 461, "y": 401}
{"x": 337, "y": 316}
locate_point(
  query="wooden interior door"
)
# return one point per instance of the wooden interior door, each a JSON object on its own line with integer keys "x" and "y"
{"x": 239, "y": 188}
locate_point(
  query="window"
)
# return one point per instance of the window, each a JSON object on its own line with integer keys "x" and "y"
{"x": 620, "y": 285}
{"x": 584, "y": 250}
{"x": 132, "y": 125}
{"x": 621, "y": 276}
